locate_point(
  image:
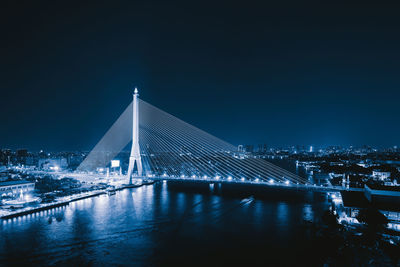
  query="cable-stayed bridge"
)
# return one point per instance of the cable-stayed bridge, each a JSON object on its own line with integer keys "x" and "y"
{"x": 167, "y": 148}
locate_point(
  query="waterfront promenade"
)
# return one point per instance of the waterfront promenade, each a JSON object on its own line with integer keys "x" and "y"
{"x": 62, "y": 201}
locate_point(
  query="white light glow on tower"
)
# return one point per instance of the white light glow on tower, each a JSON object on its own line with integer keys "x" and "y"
{"x": 135, "y": 151}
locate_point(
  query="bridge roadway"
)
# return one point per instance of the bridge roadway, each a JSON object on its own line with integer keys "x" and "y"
{"x": 93, "y": 177}
{"x": 309, "y": 187}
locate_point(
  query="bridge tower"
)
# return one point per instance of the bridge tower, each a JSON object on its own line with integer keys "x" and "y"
{"x": 135, "y": 151}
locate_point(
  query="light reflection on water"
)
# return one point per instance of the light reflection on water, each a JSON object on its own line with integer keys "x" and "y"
{"x": 146, "y": 225}
{"x": 308, "y": 213}
{"x": 282, "y": 214}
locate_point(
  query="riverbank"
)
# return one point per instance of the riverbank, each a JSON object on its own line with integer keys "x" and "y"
{"x": 346, "y": 245}
{"x": 64, "y": 201}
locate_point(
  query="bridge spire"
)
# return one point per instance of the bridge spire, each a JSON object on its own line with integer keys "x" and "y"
{"x": 135, "y": 150}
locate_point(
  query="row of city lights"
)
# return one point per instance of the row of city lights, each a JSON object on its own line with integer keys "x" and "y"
{"x": 217, "y": 177}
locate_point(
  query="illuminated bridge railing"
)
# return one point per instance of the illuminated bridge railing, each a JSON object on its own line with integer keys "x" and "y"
{"x": 261, "y": 182}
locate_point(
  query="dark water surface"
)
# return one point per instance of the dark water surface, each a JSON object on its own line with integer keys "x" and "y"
{"x": 168, "y": 224}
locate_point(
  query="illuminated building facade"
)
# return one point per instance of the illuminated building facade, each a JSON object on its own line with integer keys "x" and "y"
{"x": 15, "y": 188}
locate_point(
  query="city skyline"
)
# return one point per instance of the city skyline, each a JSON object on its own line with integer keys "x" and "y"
{"x": 211, "y": 133}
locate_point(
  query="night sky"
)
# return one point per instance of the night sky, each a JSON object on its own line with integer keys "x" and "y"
{"x": 249, "y": 72}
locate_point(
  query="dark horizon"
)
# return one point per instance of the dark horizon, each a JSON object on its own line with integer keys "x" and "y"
{"x": 281, "y": 74}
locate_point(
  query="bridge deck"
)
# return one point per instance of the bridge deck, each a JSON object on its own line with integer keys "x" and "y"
{"x": 93, "y": 177}
{"x": 247, "y": 182}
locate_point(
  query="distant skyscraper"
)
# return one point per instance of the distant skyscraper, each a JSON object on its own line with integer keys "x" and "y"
{"x": 249, "y": 148}
{"x": 260, "y": 148}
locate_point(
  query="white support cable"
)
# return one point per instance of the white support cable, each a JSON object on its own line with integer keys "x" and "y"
{"x": 159, "y": 160}
{"x": 277, "y": 171}
{"x": 245, "y": 170}
{"x": 172, "y": 154}
{"x": 180, "y": 138}
{"x": 276, "y": 176}
{"x": 168, "y": 136}
{"x": 172, "y": 147}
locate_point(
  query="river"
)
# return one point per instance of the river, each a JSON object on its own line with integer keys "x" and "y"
{"x": 167, "y": 223}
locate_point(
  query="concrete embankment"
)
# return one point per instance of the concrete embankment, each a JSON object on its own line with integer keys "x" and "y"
{"x": 65, "y": 201}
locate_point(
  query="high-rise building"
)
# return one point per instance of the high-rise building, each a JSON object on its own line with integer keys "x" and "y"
{"x": 262, "y": 148}
{"x": 249, "y": 148}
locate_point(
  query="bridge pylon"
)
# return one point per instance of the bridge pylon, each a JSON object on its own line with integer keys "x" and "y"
{"x": 135, "y": 150}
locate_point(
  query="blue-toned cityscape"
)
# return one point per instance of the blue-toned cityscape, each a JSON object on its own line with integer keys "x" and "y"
{"x": 358, "y": 185}
{"x": 199, "y": 133}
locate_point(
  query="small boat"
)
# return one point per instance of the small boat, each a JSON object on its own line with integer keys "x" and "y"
{"x": 246, "y": 201}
